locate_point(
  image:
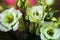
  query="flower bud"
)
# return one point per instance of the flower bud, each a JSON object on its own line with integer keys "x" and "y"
{"x": 49, "y": 2}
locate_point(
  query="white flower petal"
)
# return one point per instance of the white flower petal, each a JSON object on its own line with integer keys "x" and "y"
{"x": 15, "y": 26}
{"x": 4, "y": 29}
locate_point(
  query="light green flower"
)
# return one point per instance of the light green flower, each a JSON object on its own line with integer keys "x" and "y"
{"x": 35, "y": 14}
{"x": 49, "y": 2}
{"x": 49, "y": 32}
{"x": 10, "y": 19}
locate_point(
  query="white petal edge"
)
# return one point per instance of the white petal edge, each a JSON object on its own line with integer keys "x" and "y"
{"x": 16, "y": 26}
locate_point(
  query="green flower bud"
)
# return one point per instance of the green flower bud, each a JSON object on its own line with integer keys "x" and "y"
{"x": 54, "y": 19}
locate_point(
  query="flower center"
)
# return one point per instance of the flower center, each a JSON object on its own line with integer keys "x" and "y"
{"x": 50, "y": 32}
{"x": 36, "y": 13}
{"x": 9, "y": 18}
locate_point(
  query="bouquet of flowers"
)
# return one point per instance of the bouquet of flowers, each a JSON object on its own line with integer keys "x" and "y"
{"x": 38, "y": 15}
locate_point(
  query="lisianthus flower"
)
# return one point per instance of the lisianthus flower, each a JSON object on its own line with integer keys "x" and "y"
{"x": 49, "y": 32}
{"x": 10, "y": 19}
{"x": 35, "y": 14}
{"x": 49, "y": 2}
{"x": 46, "y": 2}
